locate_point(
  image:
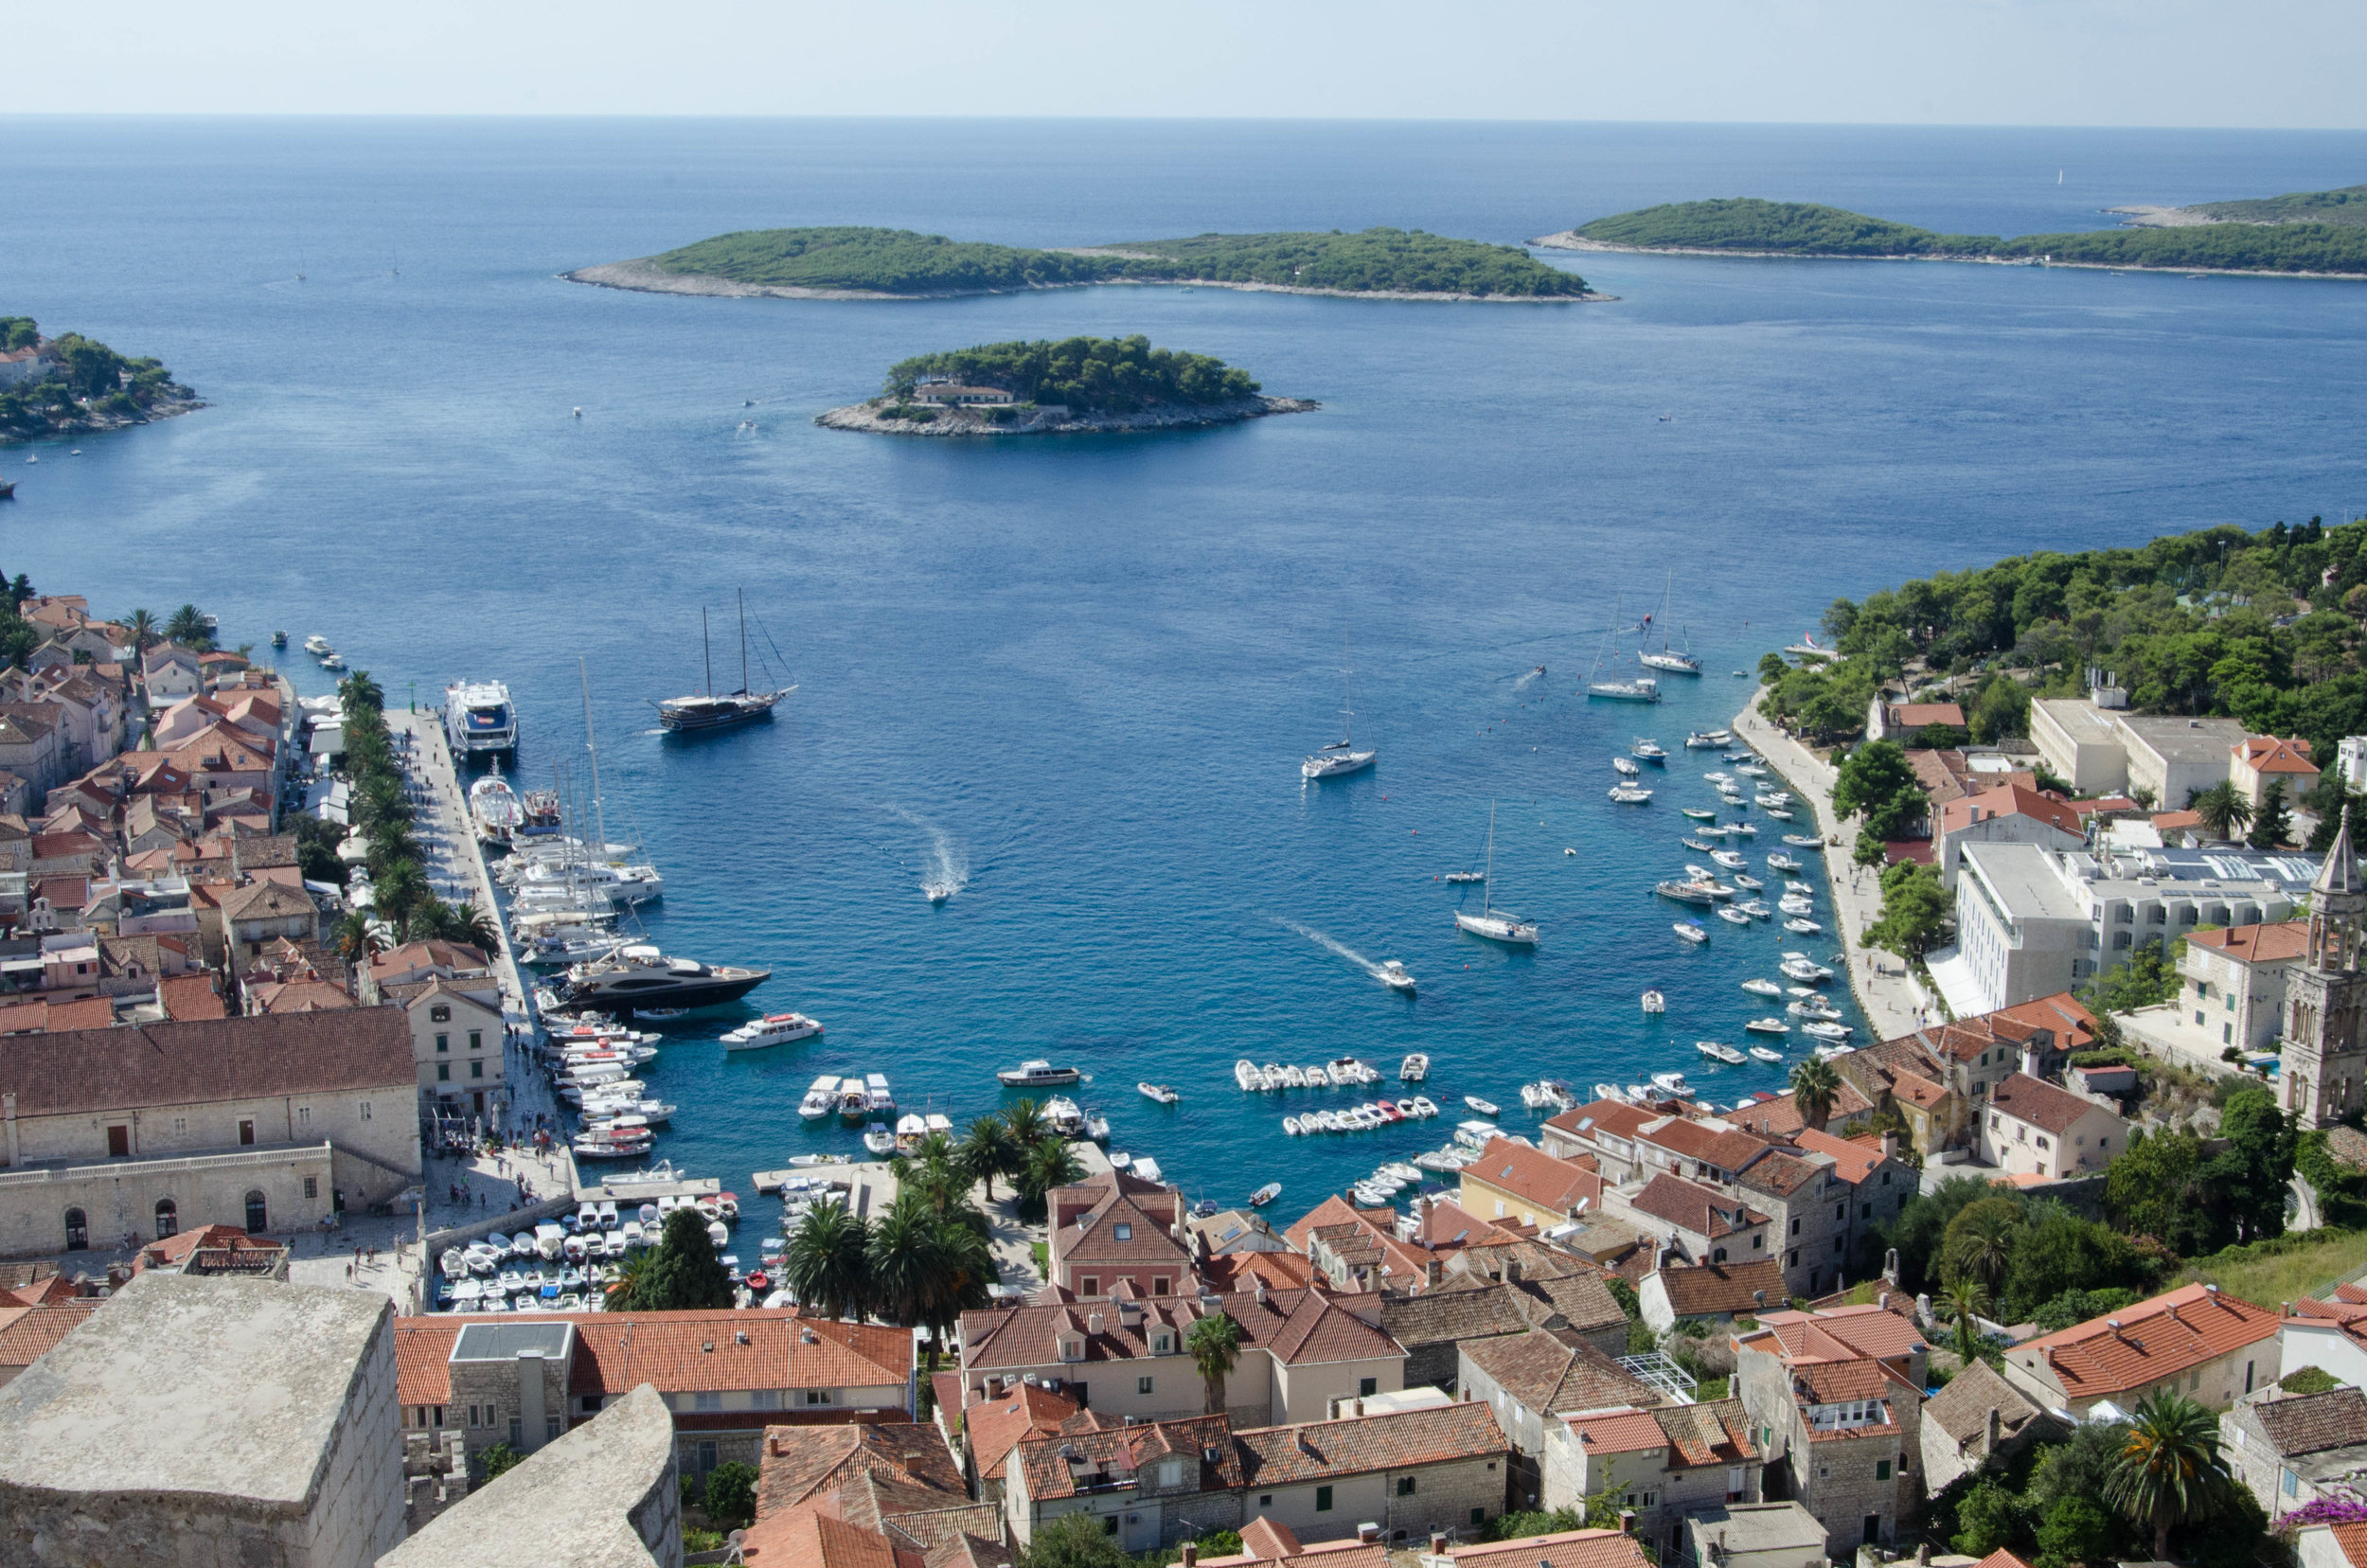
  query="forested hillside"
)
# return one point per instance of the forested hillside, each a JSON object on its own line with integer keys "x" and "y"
{"x": 1091, "y": 375}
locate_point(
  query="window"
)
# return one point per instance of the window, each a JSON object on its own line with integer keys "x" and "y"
{"x": 1122, "y": 1230}
{"x": 1142, "y": 1386}
{"x": 476, "y": 1040}
{"x": 473, "y": 1411}
{"x": 1478, "y": 1515}
{"x": 588, "y": 1405}
{"x": 439, "y": 1013}
{"x": 1795, "y": 1227}
{"x": 1265, "y": 1500}
{"x": 119, "y": 1140}
{"x": 1158, "y": 1286}
{"x": 476, "y": 1069}
{"x": 1791, "y": 1259}
{"x": 1718, "y": 1256}
{"x": 246, "y": 1134}
{"x": 1881, "y": 1470}
{"x": 1840, "y": 1212}
{"x": 2042, "y": 1143}
{"x": 1158, "y": 1344}
{"x": 817, "y": 1395}
{"x": 706, "y": 1458}
{"x": 1757, "y": 1240}
{"x": 443, "y": 1043}
{"x": 1090, "y": 1285}
{"x": 765, "y": 1398}
{"x": 180, "y": 1124}
{"x": 1837, "y": 1243}
{"x": 1170, "y": 1473}
{"x": 257, "y": 1213}
{"x": 2286, "y": 1484}
{"x": 443, "y": 1072}
{"x": 706, "y": 1401}
{"x": 1405, "y": 1485}
{"x": 312, "y": 1187}
{"x": 1110, "y": 1525}
{"x": 1367, "y": 1387}
{"x": 1323, "y": 1499}
{"x": 167, "y": 1217}
{"x": 304, "y": 1116}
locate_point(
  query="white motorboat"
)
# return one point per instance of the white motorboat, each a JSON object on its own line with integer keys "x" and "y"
{"x": 317, "y": 645}
{"x": 1159, "y": 1092}
{"x": 1394, "y": 975}
{"x": 1625, "y": 794}
{"x": 821, "y": 1099}
{"x": 879, "y": 1139}
{"x": 1610, "y": 1092}
{"x": 1338, "y": 759}
{"x": 1731, "y": 859}
{"x": 1464, "y": 877}
{"x": 1802, "y": 841}
{"x": 1782, "y": 862}
{"x": 478, "y": 717}
{"x": 1414, "y": 1069}
{"x": 1825, "y": 1029}
{"x": 1246, "y": 1073}
{"x": 1066, "y": 1116}
{"x": 1763, "y": 987}
{"x": 1794, "y": 904}
{"x": 1547, "y": 1094}
{"x": 1655, "y": 1003}
{"x": 1732, "y": 915}
{"x": 1747, "y": 883}
{"x": 1648, "y": 749}
{"x": 1709, "y": 739}
{"x": 1497, "y": 926}
{"x": 1264, "y": 1194}
{"x": 1485, "y": 1108}
{"x": 772, "y": 1029}
{"x": 1803, "y": 969}
{"x": 1802, "y": 928}
{"x": 1741, "y": 830}
{"x": 1767, "y": 1026}
{"x": 1425, "y": 1106}
{"x": 1691, "y": 931}
{"x": 1672, "y": 1083}
{"x": 1626, "y": 767}
{"x": 1813, "y": 1007}
{"x": 1778, "y": 814}
{"x": 1036, "y": 1073}
{"x": 1096, "y": 1127}
{"x": 1718, "y": 1052}
{"x": 1763, "y": 1054}
{"x": 495, "y": 805}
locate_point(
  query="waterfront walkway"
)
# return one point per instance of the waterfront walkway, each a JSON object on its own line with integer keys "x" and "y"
{"x": 1892, "y": 1002}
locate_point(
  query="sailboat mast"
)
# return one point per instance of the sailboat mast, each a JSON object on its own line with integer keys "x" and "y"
{"x": 1347, "y": 690}
{"x": 599, "y": 818}
{"x": 744, "y": 641}
{"x": 706, "y": 651}
{"x": 1488, "y": 881}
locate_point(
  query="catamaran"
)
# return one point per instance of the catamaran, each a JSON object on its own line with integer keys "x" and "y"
{"x": 1497, "y": 926}
{"x": 1338, "y": 759}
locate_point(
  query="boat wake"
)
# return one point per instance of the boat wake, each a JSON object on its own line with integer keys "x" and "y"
{"x": 1524, "y": 679}
{"x": 946, "y": 869}
{"x": 1323, "y": 941}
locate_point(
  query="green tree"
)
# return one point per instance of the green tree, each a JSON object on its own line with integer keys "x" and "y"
{"x": 731, "y": 1495}
{"x": 1214, "y": 1343}
{"x": 2169, "y": 1472}
{"x": 2157, "y": 1187}
{"x": 1814, "y": 1089}
{"x": 1960, "y": 1306}
{"x": 2000, "y": 711}
{"x": 1980, "y": 1242}
{"x": 1877, "y": 780}
{"x": 187, "y": 627}
{"x": 826, "y": 1266}
{"x": 2273, "y": 826}
{"x": 2055, "y": 1251}
{"x": 1074, "y": 1540}
{"x": 1029, "y": 1128}
{"x": 1772, "y": 668}
{"x": 2250, "y": 1178}
{"x": 358, "y": 691}
{"x": 357, "y": 937}
{"x": 142, "y": 625}
{"x": 2077, "y": 1467}
{"x": 1049, "y": 1164}
{"x": 683, "y": 1272}
{"x": 626, "y": 1279}
{"x": 498, "y": 1460}
{"x": 1916, "y": 911}
{"x": 2076, "y": 1531}
{"x": 1988, "y": 1519}
{"x": 2224, "y": 810}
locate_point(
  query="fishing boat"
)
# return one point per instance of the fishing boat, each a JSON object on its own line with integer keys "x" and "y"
{"x": 1691, "y": 931}
{"x": 1338, "y": 758}
{"x": 1699, "y": 813}
{"x": 1484, "y": 1107}
{"x": 1160, "y": 1092}
{"x": 1394, "y": 975}
{"x": 1036, "y": 1073}
{"x": 1655, "y": 1003}
{"x": 1264, "y": 1194}
{"x": 709, "y": 711}
{"x": 1414, "y": 1069}
{"x": 1767, "y": 1026}
{"x": 1762, "y": 987}
{"x": 772, "y": 1029}
{"x": 1497, "y": 926}
{"x": 1763, "y": 1054}
{"x": 1676, "y": 661}
{"x": 1718, "y": 1052}
{"x": 852, "y": 1109}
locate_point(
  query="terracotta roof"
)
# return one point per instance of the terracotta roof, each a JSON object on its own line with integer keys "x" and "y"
{"x": 1541, "y": 1373}
{"x": 2040, "y": 1104}
{"x": 1615, "y": 1118}
{"x": 1853, "y": 1161}
{"x": 211, "y": 1060}
{"x": 616, "y": 1352}
{"x": 457, "y": 957}
{"x": 1320, "y": 1451}
{"x": 1701, "y": 1210}
{"x": 1065, "y": 1463}
{"x": 994, "y": 1427}
{"x": 1265, "y": 1540}
{"x": 190, "y": 998}
{"x": 2352, "y": 1537}
{"x": 1462, "y": 1308}
{"x": 1724, "y": 1290}
{"x": 2267, "y": 753}
{"x": 27, "y": 1335}
{"x": 1294, "y": 1327}
{"x": 1917, "y": 715}
{"x": 1780, "y": 1174}
{"x": 1718, "y": 1433}
{"x": 1866, "y": 1330}
{"x": 2001, "y": 1558}
{"x": 2063, "y": 1014}
{"x": 2158, "y": 1339}
{"x": 809, "y": 1538}
{"x": 1231, "y": 1273}
{"x": 1778, "y": 1118}
{"x": 267, "y": 900}
{"x": 2255, "y": 944}
{"x": 801, "y": 1463}
{"x": 2311, "y": 1423}
{"x": 1534, "y": 1176}
{"x": 1566, "y": 1549}
{"x": 1726, "y": 1148}
{"x": 1621, "y": 1429}
{"x": 1334, "y": 1210}
{"x": 2010, "y": 800}
{"x": 970, "y": 1550}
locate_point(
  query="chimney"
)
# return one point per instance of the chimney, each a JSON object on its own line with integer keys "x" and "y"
{"x": 2030, "y": 1060}
{"x": 1258, "y": 1288}
{"x": 1439, "y": 1544}
{"x": 1360, "y": 1405}
{"x": 1991, "y": 1446}
{"x": 1890, "y": 1145}
{"x": 1432, "y": 1272}
{"x": 1298, "y": 1435}
{"x": 1367, "y": 1534}
{"x": 1191, "y": 1554}
{"x": 1627, "y": 1521}
{"x": 911, "y": 1460}
{"x": 1092, "y": 1323}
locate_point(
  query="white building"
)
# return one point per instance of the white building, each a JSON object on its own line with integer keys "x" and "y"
{"x": 2031, "y": 1127}
{"x": 2096, "y": 748}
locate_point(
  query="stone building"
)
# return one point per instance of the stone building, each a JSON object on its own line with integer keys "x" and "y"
{"x": 1838, "y": 1418}
{"x": 2298, "y": 1449}
{"x": 2198, "y": 1340}
{"x": 1411, "y": 1473}
{"x": 208, "y": 1420}
{"x": 1151, "y": 1483}
{"x": 1666, "y": 1462}
{"x": 2324, "y": 1073}
{"x": 1977, "y": 1421}
{"x": 1527, "y": 1378}
{"x": 270, "y": 1123}
{"x": 2034, "y": 1128}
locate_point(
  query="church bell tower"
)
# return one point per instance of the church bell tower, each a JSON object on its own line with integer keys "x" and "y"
{"x": 2326, "y": 1021}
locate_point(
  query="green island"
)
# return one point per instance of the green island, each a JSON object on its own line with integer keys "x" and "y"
{"x": 849, "y": 262}
{"x": 72, "y": 385}
{"x": 2346, "y": 205}
{"x": 1746, "y": 225}
{"x": 1080, "y": 383}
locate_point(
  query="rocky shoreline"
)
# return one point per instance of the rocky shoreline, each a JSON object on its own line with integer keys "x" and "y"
{"x": 640, "y": 276}
{"x": 1572, "y": 240}
{"x": 92, "y": 423}
{"x": 1048, "y": 421}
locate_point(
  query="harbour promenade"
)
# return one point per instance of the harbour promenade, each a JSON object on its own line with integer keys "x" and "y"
{"x": 1885, "y": 993}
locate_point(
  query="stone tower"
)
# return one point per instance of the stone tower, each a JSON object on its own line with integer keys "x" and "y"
{"x": 2325, "y": 1025}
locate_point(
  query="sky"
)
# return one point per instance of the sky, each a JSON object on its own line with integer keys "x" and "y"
{"x": 2263, "y": 63}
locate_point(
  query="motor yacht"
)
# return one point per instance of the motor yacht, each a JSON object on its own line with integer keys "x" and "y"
{"x": 494, "y": 807}
{"x": 772, "y": 1029}
{"x": 637, "y": 975}
{"x": 479, "y": 718}
{"x": 1826, "y": 1030}
{"x": 1767, "y": 1026}
{"x": 1036, "y": 1073}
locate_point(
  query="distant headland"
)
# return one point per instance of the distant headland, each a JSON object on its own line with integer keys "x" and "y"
{"x": 1072, "y": 386}
{"x": 72, "y": 385}
{"x": 879, "y": 263}
{"x": 2305, "y": 234}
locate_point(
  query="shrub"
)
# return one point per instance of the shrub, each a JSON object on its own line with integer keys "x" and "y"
{"x": 732, "y": 1495}
{"x": 2311, "y": 1379}
{"x": 498, "y": 1461}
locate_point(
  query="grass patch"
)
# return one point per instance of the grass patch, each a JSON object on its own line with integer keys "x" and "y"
{"x": 2287, "y": 1269}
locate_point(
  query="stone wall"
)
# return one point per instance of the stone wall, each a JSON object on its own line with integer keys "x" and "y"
{"x": 493, "y": 1392}
{"x": 118, "y": 1198}
{"x": 358, "y": 1510}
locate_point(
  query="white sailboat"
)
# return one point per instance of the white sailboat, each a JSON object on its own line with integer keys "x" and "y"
{"x": 1674, "y": 660}
{"x": 1496, "y": 925}
{"x": 1338, "y": 759}
{"x": 1641, "y": 689}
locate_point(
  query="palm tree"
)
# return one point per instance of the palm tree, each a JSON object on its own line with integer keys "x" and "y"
{"x": 357, "y": 937}
{"x": 2169, "y": 1470}
{"x": 476, "y": 927}
{"x": 987, "y": 1150}
{"x": 1960, "y": 1305}
{"x": 358, "y": 691}
{"x": 142, "y": 625}
{"x": 626, "y": 1278}
{"x": 1214, "y": 1344}
{"x": 2223, "y": 808}
{"x": 906, "y": 1259}
{"x": 826, "y": 1266}
{"x": 187, "y": 625}
{"x": 931, "y": 1172}
{"x": 1814, "y": 1088}
{"x": 966, "y": 1269}
{"x": 1981, "y": 1241}
{"x": 1028, "y": 1124}
{"x": 1048, "y": 1166}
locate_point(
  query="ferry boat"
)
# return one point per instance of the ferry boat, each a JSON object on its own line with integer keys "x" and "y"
{"x": 478, "y": 717}
{"x": 772, "y": 1029}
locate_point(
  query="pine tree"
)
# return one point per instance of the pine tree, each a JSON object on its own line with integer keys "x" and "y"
{"x": 2273, "y": 825}
{"x": 683, "y": 1272}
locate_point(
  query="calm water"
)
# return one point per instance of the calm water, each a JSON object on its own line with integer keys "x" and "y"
{"x": 1084, "y": 672}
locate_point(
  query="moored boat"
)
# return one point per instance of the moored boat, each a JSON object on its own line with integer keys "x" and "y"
{"x": 772, "y": 1029}
{"x": 1037, "y": 1074}
{"x": 1159, "y": 1092}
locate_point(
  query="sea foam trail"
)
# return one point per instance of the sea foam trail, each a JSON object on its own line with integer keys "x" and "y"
{"x": 1525, "y": 678}
{"x": 1321, "y": 940}
{"x": 945, "y": 870}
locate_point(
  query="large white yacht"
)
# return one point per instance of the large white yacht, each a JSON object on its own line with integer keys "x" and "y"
{"x": 478, "y": 717}
{"x": 1495, "y": 924}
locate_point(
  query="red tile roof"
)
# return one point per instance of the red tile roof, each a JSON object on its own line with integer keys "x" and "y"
{"x": 1321, "y": 1451}
{"x": 2063, "y": 1014}
{"x": 1615, "y": 1118}
{"x": 2255, "y": 944}
{"x": 207, "y": 1060}
{"x": 2039, "y": 1104}
{"x": 26, "y": 1333}
{"x": 801, "y": 1463}
{"x": 2352, "y": 1537}
{"x": 2010, "y": 800}
{"x": 1533, "y": 1176}
{"x": 1704, "y": 1211}
{"x": 1778, "y": 1116}
{"x": 1061, "y": 1465}
{"x": 2157, "y": 1340}
{"x": 2267, "y": 753}
{"x": 616, "y": 1352}
{"x": 1853, "y": 1161}
{"x": 1917, "y": 715}
{"x": 1566, "y": 1549}
{"x": 809, "y": 1538}
{"x": 1541, "y": 1372}
{"x": 994, "y": 1427}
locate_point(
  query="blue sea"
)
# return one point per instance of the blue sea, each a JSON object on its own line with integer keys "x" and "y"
{"x": 1079, "y": 674}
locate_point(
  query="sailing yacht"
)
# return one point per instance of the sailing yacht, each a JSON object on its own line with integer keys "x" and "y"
{"x": 707, "y": 711}
{"x": 1641, "y": 689}
{"x": 1494, "y": 924}
{"x": 1676, "y": 661}
{"x": 1338, "y": 759}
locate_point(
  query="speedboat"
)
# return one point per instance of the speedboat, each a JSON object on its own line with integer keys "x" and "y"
{"x": 1672, "y": 1083}
{"x": 1802, "y": 841}
{"x": 1709, "y": 739}
{"x": 1625, "y": 794}
{"x": 1763, "y": 1054}
{"x": 1485, "y": 1108}
{"x": 1625, "y": 766}
{"x": 1159, "y": 1092}
{"x": 1425, "y": 1106}
{"x": 1096, "y": 1127}
{"x": 1394, "y": 975}
{"x": 1648, "y": 749}
{"x": 879, "y": 1139}
{"x": 1691, "y": 931}
{"x": 1803, "y": 969}
{"x": 772, "y": 1029}
{"x": 1264, "y": 1194}
{"x": 1763, "y": 987}
{"x": 1731, "y": 859}
{"x": 1733, "y": 915}
{"x": 1547, "y": 1093}
{"x": 1036, "y": 1073}
{"x": 1782, "y": 862}
{"x": 1794, "y": 903}
{"x": 1767, "y": 1026}
{"x": 1414, "y": 1069}
{"x": 1718, "y": 1052}
{"x": 821, "y": 1099}
{"x": 1655, "y": 1003}
{"x": 1825, "y": 1029}
{"x": 1802, "y": 928}
{"x": 1741, "y": 830}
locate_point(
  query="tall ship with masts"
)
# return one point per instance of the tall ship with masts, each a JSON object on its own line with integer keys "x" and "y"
{"x": 710, "y": 710}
